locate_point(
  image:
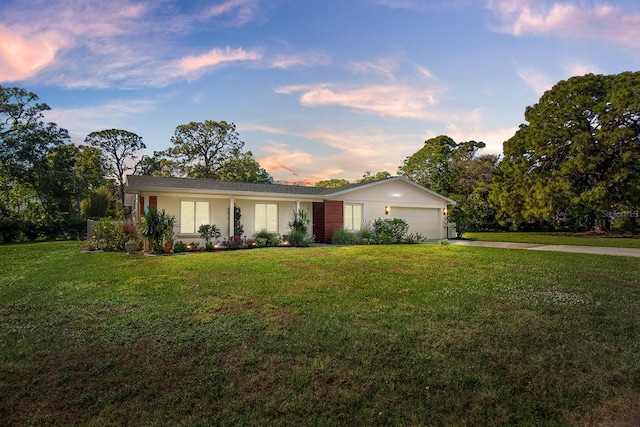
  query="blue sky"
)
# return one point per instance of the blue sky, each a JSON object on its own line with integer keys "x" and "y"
{"x": 317, "y": 89}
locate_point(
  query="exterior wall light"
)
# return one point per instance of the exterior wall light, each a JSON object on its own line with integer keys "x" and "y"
{"x": 387, "y": 209}
{"x": 444, "y": 211}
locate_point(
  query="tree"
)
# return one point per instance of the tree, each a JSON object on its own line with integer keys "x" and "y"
{"x": 367, "y": 177}
{"x": 457, "y": 171}
{"x": 25, "y": 142}
{"x": 72, "y": 173}
{"x": 158, "y": 165}
{"x": 577, "y": 157}
{"x": 119, "y": 147}
{"x": 332, "y": 183}
{"x": 25, "y": 139}
{"x": 243, "y": 168}
{"x": 202, "y": 148}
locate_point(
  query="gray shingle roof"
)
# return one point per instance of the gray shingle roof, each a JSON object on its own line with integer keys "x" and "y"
{"x": 138, "y": 182}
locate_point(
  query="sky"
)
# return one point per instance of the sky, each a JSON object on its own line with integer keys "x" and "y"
{"x": 317, "y": 89}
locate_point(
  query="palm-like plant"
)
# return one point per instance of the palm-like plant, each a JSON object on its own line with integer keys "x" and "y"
{"x": 157, "y": 226}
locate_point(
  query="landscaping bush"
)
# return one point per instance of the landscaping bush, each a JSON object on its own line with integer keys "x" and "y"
{"x": 389, "y": 231}
{"x": 9, "y": 229}
{"x": 345, "y": 237}
{"x": 157, "y": 226}
{"x": 209, "y": 233}
{"x": 235, "y": 242}
{"x": 298, "y": 227}
{"x": 108, "y": 235}
{"x": 298, "y": 238}
{"x": 264, "y": 238}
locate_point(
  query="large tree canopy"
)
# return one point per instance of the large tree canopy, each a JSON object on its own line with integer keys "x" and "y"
{"x": 202, "y": 148}
{"x": 25, "y": 139}
{"x": 120, "y": 148}
{"x": 577, "y": 157}
{"x": 243, "y": 168}
{"x": 438, "y": 164}
{"x": 457, "y": 171}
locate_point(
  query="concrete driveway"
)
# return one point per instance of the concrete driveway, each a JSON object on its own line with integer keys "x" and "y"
{"x": 596, "y": 250}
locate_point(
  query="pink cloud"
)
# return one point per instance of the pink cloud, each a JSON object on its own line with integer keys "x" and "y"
{"x": 245, "y": 9}
{"x": 385, "y": 100}
{"x": 301, "y": 60}
{"x": 567, "y": 20}
{"x": 22, "y": 54}
{"x": 215, "y": 57}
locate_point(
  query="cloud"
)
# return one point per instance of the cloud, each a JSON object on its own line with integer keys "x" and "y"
{"x": 474, "y": 128}
{"x": 402, "y": 101}
{"x": 301, "y": 60}
{"x": 105, "y": 116}
{"x": 536, "y": 80}
{"x": 120, "y": 42}
{"x": 579, "y": 68}
{"x": 22, "y": 55}
{"x": 383, "y": 67}
{"x": 38, "y": 34}
{"x": 567, "y": 20}
{"x": 245, "y": 10}
{"x": 329, "y": 154}
{"x": 213, "y": 58}
{"x": 281, "y": 158}
{"x": 424, "y": 6}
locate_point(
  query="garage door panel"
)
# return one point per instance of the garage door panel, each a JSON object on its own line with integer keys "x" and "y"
{"x": 425, "y": 221}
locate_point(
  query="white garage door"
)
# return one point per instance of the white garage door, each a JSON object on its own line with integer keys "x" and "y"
{"x": 427, "y": 222}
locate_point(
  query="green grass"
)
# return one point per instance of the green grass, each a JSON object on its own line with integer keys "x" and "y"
{"x": 354, "y": 336}
{"x": 587, "y": 239}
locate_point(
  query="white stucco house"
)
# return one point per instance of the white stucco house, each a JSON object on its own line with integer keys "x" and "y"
{"x": 270, "y": 206}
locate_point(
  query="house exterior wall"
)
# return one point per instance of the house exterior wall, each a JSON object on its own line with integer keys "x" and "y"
{"x": 422, "y": 211}
{"x": 219, "y": 212}
{"x": 328, "y": 216}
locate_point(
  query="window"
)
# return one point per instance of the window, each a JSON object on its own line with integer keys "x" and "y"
{"x": 193, "y": 215}
{"x": 352, "y": 217}
{"x": 267, "y": 217}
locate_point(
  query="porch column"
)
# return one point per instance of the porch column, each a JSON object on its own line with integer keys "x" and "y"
{"x": 232, "y": 212}
{"x": 297, "y": 205}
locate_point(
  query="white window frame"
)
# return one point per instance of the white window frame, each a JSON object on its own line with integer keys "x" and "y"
{"x": 197, "y": 217}
{"x": 353, "y": 222}
{"x": 267, "y": 218}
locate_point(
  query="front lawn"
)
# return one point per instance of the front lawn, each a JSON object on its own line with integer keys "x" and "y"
{"x": 352, "y": 335}
{"x": 556, "y": 238}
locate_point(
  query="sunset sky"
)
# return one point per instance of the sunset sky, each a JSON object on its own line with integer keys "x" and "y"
{"x": 318, "y": 89}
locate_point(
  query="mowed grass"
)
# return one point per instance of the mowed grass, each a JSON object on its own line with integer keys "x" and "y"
{"x": 557, "y": 238}
{"x": 353, "y": 336}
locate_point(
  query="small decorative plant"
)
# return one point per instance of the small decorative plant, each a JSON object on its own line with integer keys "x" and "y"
{"x": 209, "y": 233}
{"x": 179, "y": 246}
{"x": 235, "y": 242}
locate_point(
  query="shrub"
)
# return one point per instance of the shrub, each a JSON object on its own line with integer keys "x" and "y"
{"x": 389, "y": 231}
{"x": 129, "y": 232}
{"x": 298, "y": 227}
{"x": 345, "y": 237}
{"x": 108, "y": 236}
{"x": 9, "y": 229}
{"x": 179, "y": 246}
{"x": 298, "y": 238}
{"x": 209, "y": 232}
{"x": 157, "y": 226}
{"x": 265, "y": 238}
{"x": 299, "y": 221}
{"x": 413, "y": 238}
{"x": 235, "y": 242}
